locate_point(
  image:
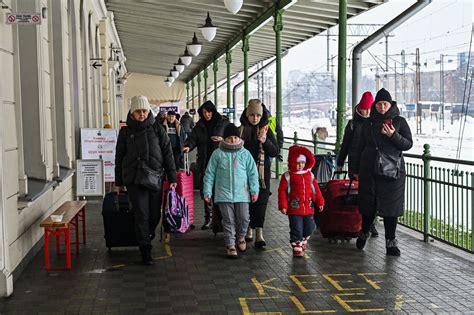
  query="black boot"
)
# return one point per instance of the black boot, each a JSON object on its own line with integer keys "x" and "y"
{"x": 207, "y": 224}
{"x": 145, "y": 252}
{"x": 392, "y": 248}
{"x": 361, "y": 240}
{"x": 373, "y": 231}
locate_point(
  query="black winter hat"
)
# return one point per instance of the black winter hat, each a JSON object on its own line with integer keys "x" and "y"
{"x": 171, "y": 113}
{"x": 231, "y": 130}
{"x": 383, "y": 95}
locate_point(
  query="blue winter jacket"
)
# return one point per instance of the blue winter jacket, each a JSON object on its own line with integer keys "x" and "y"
{"x": 232, "y": 173}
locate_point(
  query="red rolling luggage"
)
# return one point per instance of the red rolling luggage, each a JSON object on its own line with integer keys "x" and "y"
{"x": 341, "y": 218}
{"x": 184, "y": 188}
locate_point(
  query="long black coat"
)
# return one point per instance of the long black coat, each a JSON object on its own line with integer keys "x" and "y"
{"x": 200, "y": 137}
{"x": 142, "y": 141}
{"x": 385, "y": 196}
{"x": 270, "y": 147}
{"x": 350, "y": 142}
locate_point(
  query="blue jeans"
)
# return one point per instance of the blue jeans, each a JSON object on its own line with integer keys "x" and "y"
{"x": 301, "y": 227}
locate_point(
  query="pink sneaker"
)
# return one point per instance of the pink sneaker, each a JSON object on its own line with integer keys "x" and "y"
{"x": 304, "y": 242}
{"x": 297, "y": 249}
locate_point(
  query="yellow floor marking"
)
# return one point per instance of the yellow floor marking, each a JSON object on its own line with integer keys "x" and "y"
{"x": 303, "y": 309}
{"x": 434, "y": 305}
{"x": 347, "y": 307}
{"x": 300, "y": 283}
{"x": 262, "y": 285}
{"x": 167, "y": 248}
{"x": 246, "y": 309}
{"x": 399, "y": 302}
{"x": 116, "y": 266}
{"x": 373, "y": 283}
{"x": 336, "y": 284}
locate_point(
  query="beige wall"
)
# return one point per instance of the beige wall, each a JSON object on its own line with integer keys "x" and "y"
{"x": 48, "y": 92}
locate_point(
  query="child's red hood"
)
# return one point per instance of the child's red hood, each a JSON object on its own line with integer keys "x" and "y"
{"x": 294, "y": 152}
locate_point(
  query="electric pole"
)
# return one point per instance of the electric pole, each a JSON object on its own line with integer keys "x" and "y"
{"x": 417, "y": 93}
{"x": 441, "y": 89}
{"x": 404, "y": 82}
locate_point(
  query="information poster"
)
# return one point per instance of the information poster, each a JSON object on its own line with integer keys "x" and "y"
{"x": 99, "y": 144}
{"x": 90, "y": 177}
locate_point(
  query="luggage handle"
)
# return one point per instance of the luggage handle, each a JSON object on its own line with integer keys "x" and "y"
{"x": 186, "y": 163}
{"x": 339, "y": 173}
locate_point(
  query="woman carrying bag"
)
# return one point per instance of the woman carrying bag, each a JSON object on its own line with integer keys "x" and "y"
{"x": 143, "y": 157}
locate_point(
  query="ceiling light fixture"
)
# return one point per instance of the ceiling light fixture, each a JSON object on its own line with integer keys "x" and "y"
{"x": 179, "y": 66}
{"x": 174, "y": 72}
{"x": 195, "y": 46}
{"x": 168, "y": 82}
{"x": 208, "y": 30}
{"x": 186, "y": 58}
{"x": 170, "y": 77}
{"x": 233, "y": 6}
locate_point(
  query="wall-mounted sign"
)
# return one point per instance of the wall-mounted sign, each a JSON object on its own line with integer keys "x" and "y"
{"x": 169, "y": 108}
{"x": 226, "y": 110}
{"x": 99, "y": 144}
{"x": 24, "y": 18}
{"x": 90, "y": 178}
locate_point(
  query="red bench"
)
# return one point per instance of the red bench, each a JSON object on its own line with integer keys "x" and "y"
{"x": 73, "y": 213}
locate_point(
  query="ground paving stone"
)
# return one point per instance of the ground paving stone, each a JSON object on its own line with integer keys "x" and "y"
{"x": 198, "y": 279}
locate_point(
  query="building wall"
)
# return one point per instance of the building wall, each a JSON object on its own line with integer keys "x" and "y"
{"x": 48, "y": 92}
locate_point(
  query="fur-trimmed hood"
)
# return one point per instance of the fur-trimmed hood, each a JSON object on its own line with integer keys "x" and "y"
{"x": 297, "y": 150}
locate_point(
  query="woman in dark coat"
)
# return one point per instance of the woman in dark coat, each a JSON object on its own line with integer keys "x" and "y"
{"x": 388, "y": 132}
{"x": 206, "y": 135}
{"x": 262, "y": 144}
{"x": 143, "y": 142}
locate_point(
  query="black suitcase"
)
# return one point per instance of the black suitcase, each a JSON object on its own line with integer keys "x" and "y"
{"x": 119, "y": 222}
{"x": 196, "y": 175}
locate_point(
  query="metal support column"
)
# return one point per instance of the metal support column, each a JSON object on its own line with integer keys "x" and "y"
{"x": 205, "y": 84}
{"x": 278, "y": 28}
{"x": 245, "y": 50}
{"x": 199, "y": 89}
{"x": 341, "y": 76}
{"x": 215, "y": 68}
{"x": 187, "y": 95}
{"x": 192, "y": 93}
{"x": 228, "y": 62}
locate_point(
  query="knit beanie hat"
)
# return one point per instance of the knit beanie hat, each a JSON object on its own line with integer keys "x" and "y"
{"x": 301, "y": 158}
{"x": 231, "y": 130}
{"x": 209, "y": 106}
{"x": 171, "y": 113}
{"x": 139, "y": 102}
{"x": 383, "y": 95}
{"x": 366, "y": 100}
{"x": 255, "y": 107}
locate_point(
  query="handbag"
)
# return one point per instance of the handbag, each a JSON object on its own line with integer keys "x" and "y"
{"x": 146, "y": 176}
{"x": 387, "y": 166}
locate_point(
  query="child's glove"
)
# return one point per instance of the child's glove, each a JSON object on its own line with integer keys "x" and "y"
{"x": 207, "y": 199}
{"x": 254, "y": 198}
{"x": 283, "y": 211}
{"x": 321, "y": 208}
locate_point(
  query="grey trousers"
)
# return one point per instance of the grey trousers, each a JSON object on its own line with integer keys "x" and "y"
{"x": 235, "y": 220}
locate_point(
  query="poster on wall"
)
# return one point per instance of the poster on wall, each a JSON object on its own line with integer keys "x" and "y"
{"x": 90, "y": 177}
{"x": 99, "y": 144}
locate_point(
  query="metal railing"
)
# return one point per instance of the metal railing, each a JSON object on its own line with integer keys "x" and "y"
{"x": 439, "y": 193}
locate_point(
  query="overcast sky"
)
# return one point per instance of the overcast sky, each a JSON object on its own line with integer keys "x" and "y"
{"x": 443, "y": 27}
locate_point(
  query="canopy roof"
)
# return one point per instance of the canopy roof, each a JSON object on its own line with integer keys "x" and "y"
{"x": 154, "y": 33}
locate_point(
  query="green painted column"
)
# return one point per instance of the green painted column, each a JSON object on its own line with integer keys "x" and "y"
{"x": 245, "y": 50}
{"x": 215, "y": 68}
{"x": 199, "y": 89}
{"x": 192, "y": 93}
{"x": 187, "y": 95}
{"x": 205, "y": 84}
{"x": 341, "y": 75}
{"x": 278, "y": 28}
{"x": 228, "y": 62}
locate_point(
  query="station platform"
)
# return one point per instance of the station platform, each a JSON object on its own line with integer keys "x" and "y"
{"x": 191, "y": 275}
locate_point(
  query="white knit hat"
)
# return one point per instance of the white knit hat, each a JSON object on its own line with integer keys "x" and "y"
{"x": 139, "y": 102}
{"x": 301, "y": 158}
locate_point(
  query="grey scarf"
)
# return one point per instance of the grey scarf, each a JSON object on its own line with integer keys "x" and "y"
{"x": 227, "y": 147}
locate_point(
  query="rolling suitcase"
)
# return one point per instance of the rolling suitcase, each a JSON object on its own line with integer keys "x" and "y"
{"x": 341, "y": 218}
{"x": 184, "y": 188}
{"x": 119, "y": 222}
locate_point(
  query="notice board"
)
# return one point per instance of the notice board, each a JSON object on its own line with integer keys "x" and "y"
{"x": 90, "y": 178}
{"x": 99, "y": 144}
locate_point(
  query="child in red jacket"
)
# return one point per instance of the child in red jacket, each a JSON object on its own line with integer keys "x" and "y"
{"x": 298, "y": 196}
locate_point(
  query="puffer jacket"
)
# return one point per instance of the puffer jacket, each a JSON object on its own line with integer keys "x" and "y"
{"x": 304, "y": 193}
{"x": 142, "y": 141}
{"x": 233, "y": 174}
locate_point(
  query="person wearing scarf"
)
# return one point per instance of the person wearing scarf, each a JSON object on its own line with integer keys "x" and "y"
{"x": 388, "y": 132}
{"x": 262, "y": 144}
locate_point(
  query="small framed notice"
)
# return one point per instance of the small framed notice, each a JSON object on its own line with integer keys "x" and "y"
{"x": 90, "y": 177}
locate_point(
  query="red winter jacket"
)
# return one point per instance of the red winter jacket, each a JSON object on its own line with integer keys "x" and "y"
{"x": 302, "y": 200}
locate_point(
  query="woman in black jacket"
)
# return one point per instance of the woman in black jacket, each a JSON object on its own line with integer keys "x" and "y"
{"x": 142, "y": 141}
{"x": 386, "y": 131}
{"x": 206, "y": 135}
{"x": 262, "y": 144}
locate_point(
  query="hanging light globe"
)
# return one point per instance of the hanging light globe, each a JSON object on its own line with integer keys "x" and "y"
{"x": 186, "y": 58}
{"x": 208, "y": 30}
{"x": 179, "y": 66}
{"x": 174, "y": 72}
{"x": 233, "y": 6}
{"x": 168, "y": 82}
{"x": 170, "y": 78}
{"x": 195, "y": 46}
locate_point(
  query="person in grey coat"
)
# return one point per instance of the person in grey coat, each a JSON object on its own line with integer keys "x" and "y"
{"x": 389, "y": 133}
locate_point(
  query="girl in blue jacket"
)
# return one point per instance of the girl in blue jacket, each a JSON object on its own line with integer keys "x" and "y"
{"x": 233, "y": 174}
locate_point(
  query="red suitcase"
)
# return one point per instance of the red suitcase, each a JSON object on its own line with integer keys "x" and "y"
{"x": 185, "y": 188}
{"x": 341, "y": 218}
